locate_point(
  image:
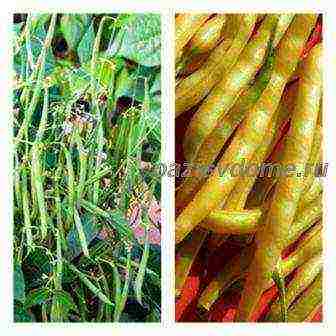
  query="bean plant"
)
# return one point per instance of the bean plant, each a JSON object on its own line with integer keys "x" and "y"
{"x": 86, "y": 141}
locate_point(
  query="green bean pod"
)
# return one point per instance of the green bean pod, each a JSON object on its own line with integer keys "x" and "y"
{"x": 71, "y": 187}
{"x": 38, "y": 189}
{"x": 40, "y": 67}
{"x": 95, "y": 290}
{"x": 26, "y": 209}
{"x": 81, "y": 233}
{"x": 120, "y": 304}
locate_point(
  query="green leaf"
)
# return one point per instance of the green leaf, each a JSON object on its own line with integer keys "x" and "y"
{"x": 78, "y": 79}
{"x": 39, "y": 20}
{"x": 19, "y": 284}
{"x": 123, "y": 84}
{"x": 156, "y": 86}
{"x": 65, "y": 300}
{"x": 120, "y": 223}
{"x": 37, "y": 297}
{"x": 21, "y": 314}
{"x": 62, "y": 303}
{"x": 38, "y": 36}
{"x": 131, "y": 83}
{"x": 140, "y": 39}
{"x": 72, "y": 29}
{"x": 87, "y": 282}
{"x": 85, "y": 46}
{"x": 39, "y": 267}
{"x": 50, "y": 158}
{"x": 84, "y": 18}
{"x": 91, "y": 230}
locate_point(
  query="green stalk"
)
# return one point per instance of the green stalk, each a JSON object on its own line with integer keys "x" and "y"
{"x": 71, "y": 187}
{"x": 23, "y": 131}
{"x": 83, "y": 160}
{"x": 142, "y": 267}
{"x": 100, "y": 146}
{"x": 17, "y": 185}
{"x": 26, "y": 210}
{"x": 81, "y": 233}
{"x": 95, "y": 290}
{"x": 37, "y": 182}
{"x": 280, "y": 283}
{"x": 120, "y": 304}
{"x": 28, "y": 42}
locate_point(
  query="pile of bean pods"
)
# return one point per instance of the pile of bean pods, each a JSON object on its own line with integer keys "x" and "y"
{"x": 249, "y": 93}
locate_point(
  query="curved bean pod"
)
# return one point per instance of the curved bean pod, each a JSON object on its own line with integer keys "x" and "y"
{"x": 251, "y": 132}
{"x": 207, "y": 36}
{"x": 234, "y": 269}
{"x": 226, "y": 92}
{"x": 307, "y": 302}
{"x": 186, "y": 25}
{"x": 195, "y": 87}
{"x": 306, "y": 275}
{"x": 310, "y": 246}
{"x": 221, "y": 133}
{"x": 232, "y": 222}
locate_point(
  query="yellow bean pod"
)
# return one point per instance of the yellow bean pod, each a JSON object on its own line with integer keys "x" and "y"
{"x": 191, "y": 90}
{"x": 207, "y": 37}
{"x": 226, "y": 92}
{"x": 306, "y": 275}
{"x": 186, "y": 25}
{"x": 232, "y": 222}
{"x": 251, "y": 132}
{"x": 270, "y": 239}
{"x": 307, "y": 302}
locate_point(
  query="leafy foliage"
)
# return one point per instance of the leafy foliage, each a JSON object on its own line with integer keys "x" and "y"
{"x": 84, "y": 121}
{"x": 139, "y": 39}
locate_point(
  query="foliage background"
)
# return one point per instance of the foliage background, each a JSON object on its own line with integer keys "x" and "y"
{"x": 94, "y": 125}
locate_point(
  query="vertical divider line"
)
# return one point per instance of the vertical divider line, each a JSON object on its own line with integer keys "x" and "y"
{"x": 329, "y": 182}
{"x": 168, "y": 156}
